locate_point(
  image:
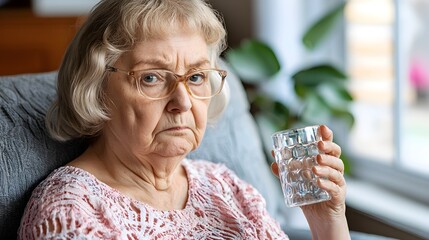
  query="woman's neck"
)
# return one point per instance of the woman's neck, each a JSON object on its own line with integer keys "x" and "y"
{"x": 157, "y": 181}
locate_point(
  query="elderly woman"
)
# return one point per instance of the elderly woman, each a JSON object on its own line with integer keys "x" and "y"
{"x": 140, "y": 81}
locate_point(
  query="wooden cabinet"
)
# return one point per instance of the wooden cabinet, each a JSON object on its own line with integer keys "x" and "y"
{"x": 30, "y": 44}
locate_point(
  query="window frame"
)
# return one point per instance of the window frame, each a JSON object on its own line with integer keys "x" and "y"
{"x": 393, "y": 177}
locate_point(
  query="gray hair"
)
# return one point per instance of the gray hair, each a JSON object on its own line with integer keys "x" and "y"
{"x": 113, "y": 28}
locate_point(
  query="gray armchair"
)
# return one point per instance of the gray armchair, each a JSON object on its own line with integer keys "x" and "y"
{"x": 27, "y": 154}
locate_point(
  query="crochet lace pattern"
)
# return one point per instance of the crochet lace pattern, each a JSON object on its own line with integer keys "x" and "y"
{"x": 72, "y": 204}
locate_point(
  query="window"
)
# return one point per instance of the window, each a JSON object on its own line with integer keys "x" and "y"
{"x": 388, "y": 63}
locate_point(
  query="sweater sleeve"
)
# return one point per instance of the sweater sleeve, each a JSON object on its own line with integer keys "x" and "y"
{"x": 252, "y": 205}
{"x": 64, "y": 209}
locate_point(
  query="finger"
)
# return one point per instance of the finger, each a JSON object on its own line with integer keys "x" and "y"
{"x": 330, "y": 148}
{"x": 275, "y": 169}
{"x": 330, "y": 161}
{"x": 333, "y": 189}
{"x": 329, "y": 173}
{"x": 326, "y": 133}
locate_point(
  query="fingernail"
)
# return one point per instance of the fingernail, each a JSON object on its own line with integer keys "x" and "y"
{"x": 321, "y": 144}
{"x": 316, "y": 169}
{"x": 319, "y": 158}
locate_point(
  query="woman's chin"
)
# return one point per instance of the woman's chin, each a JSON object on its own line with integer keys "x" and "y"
{"x": 176, "y": 149}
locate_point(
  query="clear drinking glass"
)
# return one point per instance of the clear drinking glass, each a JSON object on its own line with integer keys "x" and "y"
{"x": 295, "y": 151}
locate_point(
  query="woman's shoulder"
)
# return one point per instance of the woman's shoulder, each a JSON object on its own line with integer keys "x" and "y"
{"x": 68, "y": 194}
{"x": 65, "y": 179}
{"x": 66, "y": 188}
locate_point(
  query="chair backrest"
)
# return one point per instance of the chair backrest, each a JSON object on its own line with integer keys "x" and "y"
{"x": 27, "y": 154}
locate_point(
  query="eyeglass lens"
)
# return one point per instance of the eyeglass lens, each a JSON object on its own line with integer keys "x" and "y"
{"x": 161, "y": 83}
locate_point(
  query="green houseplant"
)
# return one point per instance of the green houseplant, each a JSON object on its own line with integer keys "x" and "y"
{"x": 321, "y": 89}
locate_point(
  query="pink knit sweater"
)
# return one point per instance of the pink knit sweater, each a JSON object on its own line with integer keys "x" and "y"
{"x": 72, "y": 204}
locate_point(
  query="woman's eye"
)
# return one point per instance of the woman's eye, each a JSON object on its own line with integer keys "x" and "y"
{"x": 197, "y": 78}
{"x": 149, "y": 78}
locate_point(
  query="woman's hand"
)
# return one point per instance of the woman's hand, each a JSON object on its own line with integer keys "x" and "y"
{"x": 327, "y": 219}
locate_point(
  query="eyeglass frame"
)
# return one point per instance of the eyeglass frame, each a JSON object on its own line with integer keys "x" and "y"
{"x": 179, "y": 78}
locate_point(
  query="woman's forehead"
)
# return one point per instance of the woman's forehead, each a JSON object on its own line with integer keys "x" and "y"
{"x": 186, "y": 49}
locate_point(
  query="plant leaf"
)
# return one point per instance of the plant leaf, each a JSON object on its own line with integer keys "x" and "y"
{"x": 345, "y": 116}
{"x": 317, "y": 32}
{"x": 335, "y": 95}
{"x": 315, "y": 75}
{"x": 263, "y": 101}
{"x": 253, "y": 61}
{"x": 315, "y": 110}
{"x": 281, "y": 110}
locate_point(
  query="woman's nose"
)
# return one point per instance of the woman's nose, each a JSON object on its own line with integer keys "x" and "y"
{"x": 180, "y": 99}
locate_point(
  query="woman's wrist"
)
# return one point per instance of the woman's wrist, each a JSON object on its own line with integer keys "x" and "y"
{"x": 329, "y": 230}
{"x": 333, "y": 228}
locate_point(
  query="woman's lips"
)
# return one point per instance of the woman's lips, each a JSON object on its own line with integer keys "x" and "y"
{"x": 179, "y": 128}
{"x": 177, "y": 131}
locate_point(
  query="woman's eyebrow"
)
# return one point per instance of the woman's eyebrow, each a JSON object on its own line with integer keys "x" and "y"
{"x": 200, "y": 63}
{"x": 162, "y": 64}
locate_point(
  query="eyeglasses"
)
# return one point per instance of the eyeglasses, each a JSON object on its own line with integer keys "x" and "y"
{"x": 160, "y": 83}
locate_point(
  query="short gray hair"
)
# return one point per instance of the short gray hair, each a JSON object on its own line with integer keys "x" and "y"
{"x": 113, "y": 28}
